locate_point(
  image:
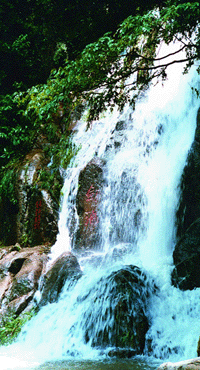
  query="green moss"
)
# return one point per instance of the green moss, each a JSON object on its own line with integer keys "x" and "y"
{"x": 20, "y": 288}
{"x": 61, "y": 152}
{"x": 11, "y": 327}
{"x": 50, "y": 179}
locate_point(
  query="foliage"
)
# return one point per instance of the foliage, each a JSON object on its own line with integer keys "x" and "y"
{"x": 16, "y": 132}
{"x": 31, "y": 30}
{"x": 62, "y": 153}
{"x": 7, "y": 185}
{"x": 100, "y": 75}
{"x": 11, "y": 327}
{"x": 8, "y": 202}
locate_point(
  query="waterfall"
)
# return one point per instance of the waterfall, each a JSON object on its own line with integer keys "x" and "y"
{"x": 144, "y": 161}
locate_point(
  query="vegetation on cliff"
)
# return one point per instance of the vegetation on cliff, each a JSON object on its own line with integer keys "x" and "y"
{"x": 99, "y": 76}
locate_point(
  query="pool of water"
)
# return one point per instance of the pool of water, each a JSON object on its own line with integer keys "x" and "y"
{"x": 132, "y": 364}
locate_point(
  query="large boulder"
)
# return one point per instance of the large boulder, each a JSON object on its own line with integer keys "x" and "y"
{"x": 65, "y": 267}
{"x": 87, "y": 202}
{"x": 20, "y": 272}
{"x": 118, "y": 314}
{"x": 192, "y": 364}
{"x": 186, "y": 255}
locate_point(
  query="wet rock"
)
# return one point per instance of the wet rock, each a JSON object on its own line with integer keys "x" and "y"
{"x": 122, "y": 353}
{"x": 192, "y": 364}
{"x": 5, "y": 263}
{"x": 3, "y": 252}
{"x": 186, "y": 274}
{"x": 18, "y": 305}
{"x": 186, "y": 255}
{"x": 87, "y": 202}
{"x": 38, "y": 204}
{"x": 19, "y": 276}
{"x": 118, "y": 316}
{"x": 26, "y": 279}
{"x": 5, "y": 283}
{"x": 189, "y": 207}
{"x": 29, "y": 216}
{"x": 65, "y": 267}
{"x": 121, "y": 125}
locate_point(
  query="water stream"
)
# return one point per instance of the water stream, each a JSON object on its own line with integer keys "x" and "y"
{"x": 144, "y": 162}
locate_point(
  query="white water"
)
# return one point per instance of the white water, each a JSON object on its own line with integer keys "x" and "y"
{"x": 138, "y": 211}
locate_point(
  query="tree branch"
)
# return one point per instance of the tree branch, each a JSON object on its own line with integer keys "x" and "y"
{"x": 136, "y": 69}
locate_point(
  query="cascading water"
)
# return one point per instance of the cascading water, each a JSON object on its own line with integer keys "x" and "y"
{"x": 144, "y": 157}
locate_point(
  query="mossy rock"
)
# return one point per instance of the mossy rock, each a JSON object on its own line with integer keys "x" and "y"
{"x": 118, "y": 315}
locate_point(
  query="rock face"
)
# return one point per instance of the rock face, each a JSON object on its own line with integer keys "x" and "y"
{"x": 65, "y": 267}
{"x": 87, "y": 200}
{"x": 123, "y": 321}
{"x": 31, "y": 218}
{"x": 186, "y": 274}
{"x": 19, "y": 276}
{"x": 187, "y": 251}
{"x": 23, "y": 272}
{"x": 189, "y": 207}
{"x": 193, "y": 364}
{"x": 38, "y": 209}
{"x": 122, "y": 353}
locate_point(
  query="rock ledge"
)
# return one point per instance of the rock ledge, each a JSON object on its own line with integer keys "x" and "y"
{"x": 192, "y": 364}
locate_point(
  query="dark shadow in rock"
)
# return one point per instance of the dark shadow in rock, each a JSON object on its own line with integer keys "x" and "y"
{"x": 16, "y": 265}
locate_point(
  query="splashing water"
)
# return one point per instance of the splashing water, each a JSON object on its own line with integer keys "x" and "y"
{"x": 144, "y": 160}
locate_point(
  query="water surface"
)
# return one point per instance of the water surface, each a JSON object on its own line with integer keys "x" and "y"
{"x": 133, "y": 364}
